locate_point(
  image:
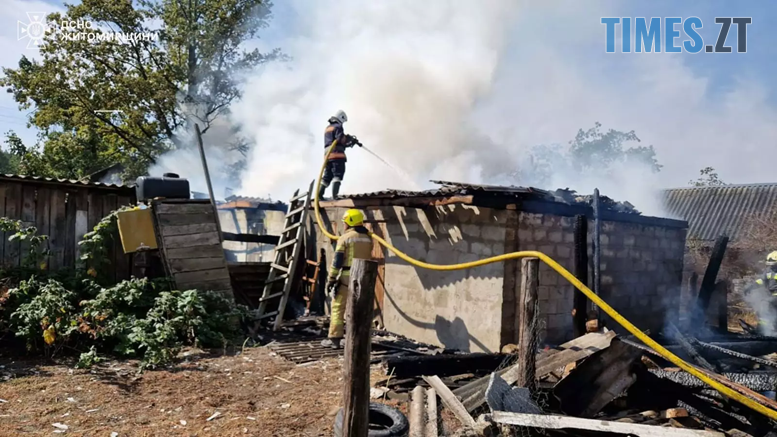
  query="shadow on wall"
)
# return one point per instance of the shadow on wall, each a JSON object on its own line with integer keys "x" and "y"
{"x": 449, "y": 234}
{"x": 451, "y": 334}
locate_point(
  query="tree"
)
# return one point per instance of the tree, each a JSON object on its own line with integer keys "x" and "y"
{"x": 590, "y": 151}
{"x": 709, "y": 178}
{"x": 189, "y": 72}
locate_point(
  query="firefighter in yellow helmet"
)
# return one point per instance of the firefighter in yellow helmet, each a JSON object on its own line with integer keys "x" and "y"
{"x": 768, "y": 283}
{"x": 355, "y": 243}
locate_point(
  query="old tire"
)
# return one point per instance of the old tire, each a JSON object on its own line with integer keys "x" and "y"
{"x": 385, "y": 421}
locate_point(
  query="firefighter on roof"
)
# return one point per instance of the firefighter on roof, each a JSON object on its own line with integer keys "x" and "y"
{"x": 355, "y": 243}
{"x": 335, "y": 166}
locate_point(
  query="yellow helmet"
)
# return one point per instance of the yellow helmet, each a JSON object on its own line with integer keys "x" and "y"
{"x": 353, "y": 217}
{"x": 771, "y": 259}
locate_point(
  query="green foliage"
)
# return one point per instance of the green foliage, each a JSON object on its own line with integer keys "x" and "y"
{"x": 192, "y": 70}
{"x": 591, "y": 151}
{"x": 134, "y": 318}
{"x": 93, "y": 246}
{"x": 36, "y": 253}
{"x": 709, "y": 178}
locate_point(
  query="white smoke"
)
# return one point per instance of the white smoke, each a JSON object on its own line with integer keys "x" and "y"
{"x": 464, "y": 90}
{"x": 408, "y": 73}
{"x": 760, "y": 300}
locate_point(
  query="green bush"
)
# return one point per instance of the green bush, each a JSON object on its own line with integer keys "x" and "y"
{"x": 135, "y": 318}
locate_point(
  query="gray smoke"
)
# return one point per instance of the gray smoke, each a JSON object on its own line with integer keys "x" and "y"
{"x": 759, "y": 299}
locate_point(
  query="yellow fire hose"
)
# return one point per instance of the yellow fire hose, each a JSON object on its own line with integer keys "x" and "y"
{"x": 569, "y": 277}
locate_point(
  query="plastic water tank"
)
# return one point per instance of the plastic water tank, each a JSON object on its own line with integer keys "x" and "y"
{"x": 169, "y": 186}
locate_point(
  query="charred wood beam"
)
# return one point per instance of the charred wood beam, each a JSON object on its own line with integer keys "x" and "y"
{"x": 252, "y": 238}
{"x": 443, "y": 365}
{"x": 687, "y": 346}
{"x": 737, "y": 354}
{"x": 581, "y": 273}
{"x": 708, "y": 281}
{"x": 394, "y": 201}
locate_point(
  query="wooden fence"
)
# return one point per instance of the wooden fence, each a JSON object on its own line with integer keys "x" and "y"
{"x": 65, "y": 211}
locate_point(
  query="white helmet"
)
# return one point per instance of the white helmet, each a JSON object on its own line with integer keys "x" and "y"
{"x": 340, "y": 115}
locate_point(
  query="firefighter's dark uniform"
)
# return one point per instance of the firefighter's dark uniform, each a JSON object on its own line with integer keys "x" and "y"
{"x": 355, "y": 243}
{"x": 335, "y": 166}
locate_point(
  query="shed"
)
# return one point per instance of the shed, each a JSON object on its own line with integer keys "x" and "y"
{"x": 475, "y": 309}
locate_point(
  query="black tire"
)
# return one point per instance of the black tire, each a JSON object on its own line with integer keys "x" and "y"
{"x": 391, "y": 421}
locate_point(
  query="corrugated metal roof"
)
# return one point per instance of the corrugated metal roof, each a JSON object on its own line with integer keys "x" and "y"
{"x": 62, "y": 181}
{"x": 712, "y": 211}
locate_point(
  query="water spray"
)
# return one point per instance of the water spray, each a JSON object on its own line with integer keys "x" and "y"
{"x": 397, "y": 170}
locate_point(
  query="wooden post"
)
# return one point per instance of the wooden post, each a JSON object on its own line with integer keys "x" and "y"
{"x": 597, "y": 251}
{"x": 356, "y": 393}
{"x": 529, "y": 311}
{"x": 580, "y": 311}
{"x": 708, "y": 282}
{"x": 207, "y": 179}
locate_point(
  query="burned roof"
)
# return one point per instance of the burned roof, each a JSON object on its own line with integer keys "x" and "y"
{"x": 504, "y": 193}
{"x": 712, "y": 211}
{"x": 252, "y": 202}
{"x": 80, "y": 183}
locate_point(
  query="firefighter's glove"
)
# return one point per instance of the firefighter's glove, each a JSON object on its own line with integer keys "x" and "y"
{"x": 331, "y": 286}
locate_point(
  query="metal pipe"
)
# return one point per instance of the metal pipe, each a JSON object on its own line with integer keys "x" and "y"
{"x": 597, "y": 247}
{"x": 207, "y": 179}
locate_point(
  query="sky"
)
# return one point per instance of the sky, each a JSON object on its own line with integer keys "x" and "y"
{"x": 444, "y": 91}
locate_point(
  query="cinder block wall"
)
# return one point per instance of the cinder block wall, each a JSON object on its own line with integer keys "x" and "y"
{"x": 641, "y": 268}
{"x": 455, "y": 309}
{"x": 475, "y": 309}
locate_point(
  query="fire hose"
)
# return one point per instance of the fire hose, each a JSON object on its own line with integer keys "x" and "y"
{"x": 610, "y": 311}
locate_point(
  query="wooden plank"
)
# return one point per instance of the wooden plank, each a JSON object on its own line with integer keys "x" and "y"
{"x": 95, "y": 213}
{"x": 82, "y": 218}
{"x": 173, "y": 230}
{"x": 13, "y": 206}
{"x": 221, "y": 284}
{"x": 3, "y": 189}
{"x": 195, "y": 264}
{"x": 123, "y": 261}
{"x": 356, "y": 369}
{"x": 69, "y": 251}
{"x": 565, "y": 422}
{"x": 184, "y": 219}
{"x": 58, "y": 237}
{"x": 186, "y": 208}
{"x": 110, "y": 202}
{"x": 27, "y": 215}
{"x": 194, "y": 240}
{"x": 528, "y": 305}
{"x": 409, "y": 202}
{"x": 194, "y": 252}
{"x": 202, "y": 275}
{"x": 42, "y": 219}
{"x": 450, "y": 401}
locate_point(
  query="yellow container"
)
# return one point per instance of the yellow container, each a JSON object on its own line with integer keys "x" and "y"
{"x": 136, "y": 228}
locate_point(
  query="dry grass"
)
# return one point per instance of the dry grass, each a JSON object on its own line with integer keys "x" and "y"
{"x": 250, "y": 391}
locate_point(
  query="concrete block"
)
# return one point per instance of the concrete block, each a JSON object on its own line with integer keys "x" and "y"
{"x": 563, "y": 251}
{"x": 493, "y": 233}
{"x": 629, "y": 240}
{"x": 470, "y": 231}
{"x": 569, "y": 237}
{"x": 540, "y": 235}
{"x": 607, "y": 280}
{"x": 567, "y": 222}
{"x": 604, "y": 239}
{"x": 552, "y": 307}
{"x": 525, "y": 235}
{"x": 549, "y": 277}
{"x": 530, "y": 219}
{"x": 480, "y": 248}
{"x": 548, "y": 249}
{"x": 555, "y": 236}
{"x": 543, "y": 292}
{"x": 558, "y": 321}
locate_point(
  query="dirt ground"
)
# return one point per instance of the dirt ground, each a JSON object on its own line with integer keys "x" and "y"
{"x": 254, "y": 393}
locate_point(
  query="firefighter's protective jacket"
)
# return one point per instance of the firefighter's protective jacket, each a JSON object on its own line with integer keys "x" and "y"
{"x": 335, "y": 132}
{"x": 768, "y": 281}
{"x": 355, "y": 243}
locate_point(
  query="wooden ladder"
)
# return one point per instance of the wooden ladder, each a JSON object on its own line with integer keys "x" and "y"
{"x": 287, "y": 255}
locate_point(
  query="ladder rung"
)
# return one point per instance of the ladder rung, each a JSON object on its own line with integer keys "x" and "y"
{"x": 286, "y": 244}
{"x": 312, "y": 263}
{"x": 291, "y": 228}
{"x": 279, "y": 267}
{"x": 264, "y": 316}
{"x": 294, "y": 212}
{"x": 300, "y": 196}
{"x": 277, "y": 279}
{"x": 272, "y": 296}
